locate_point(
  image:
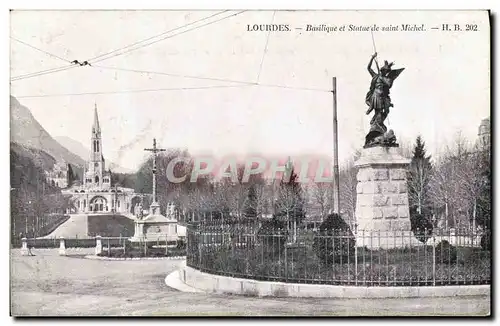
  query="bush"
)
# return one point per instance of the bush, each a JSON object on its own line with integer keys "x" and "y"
{"x": 421, "y": 227}
{"x": 486, "y": 241}
{"x": 272, "y": 235}
{"x": 445, "y": 253}
{"x": 181, "y": 244}
{"x": 334, "y": 242}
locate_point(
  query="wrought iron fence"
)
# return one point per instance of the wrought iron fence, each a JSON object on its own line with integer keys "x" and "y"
{"x": 362, "y": 258}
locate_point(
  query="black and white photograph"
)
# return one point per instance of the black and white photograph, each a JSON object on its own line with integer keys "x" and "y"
{"x": 227, "y": 163}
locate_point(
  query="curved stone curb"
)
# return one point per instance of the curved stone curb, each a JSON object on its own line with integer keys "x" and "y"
{"x": 174, "y": 281}
{"x": 57, "y": 248}
{"x": 230, "y": 285}
{"x": 135, "y": 258}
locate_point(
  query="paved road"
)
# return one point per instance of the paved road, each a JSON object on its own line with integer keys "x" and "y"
{"x": 47, "y": 284}
{"x": 75, "y": 227}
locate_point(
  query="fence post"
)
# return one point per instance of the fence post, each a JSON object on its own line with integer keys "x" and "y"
{"x": 286, "y": 259}
{"x": 98, "y": 245}
{"x": 24, "y": 247}
{"x": 166, "y": 245}
{"x": 62, "y": 247}
{"x": 433, "y": 259}
{"x": 200, "y": 240}
{"x": 355, "y": 253}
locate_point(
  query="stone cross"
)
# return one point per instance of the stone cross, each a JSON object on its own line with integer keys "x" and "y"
{"x": 155, "y": 151}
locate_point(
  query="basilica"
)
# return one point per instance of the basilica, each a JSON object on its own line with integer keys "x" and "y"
{"x": 95, "y": 192}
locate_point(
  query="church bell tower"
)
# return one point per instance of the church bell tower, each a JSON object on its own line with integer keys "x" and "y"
{"x": 96, "y": 166}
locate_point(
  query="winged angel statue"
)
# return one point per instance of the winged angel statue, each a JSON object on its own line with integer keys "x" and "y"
{"x": 379, "y": 101}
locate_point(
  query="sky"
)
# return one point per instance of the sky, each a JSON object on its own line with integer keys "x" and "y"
{"x": 444, "y": 89}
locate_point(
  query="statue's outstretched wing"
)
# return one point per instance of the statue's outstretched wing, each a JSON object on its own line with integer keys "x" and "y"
{"x": 394, "y": 73}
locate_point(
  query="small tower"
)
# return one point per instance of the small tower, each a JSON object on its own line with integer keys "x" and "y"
{"x": 484, "y": 134}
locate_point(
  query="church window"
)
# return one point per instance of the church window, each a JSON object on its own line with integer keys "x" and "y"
{"x": 96, "y": 179}
{"x": 97, "y": 146}
{"x": 118, "y": 204}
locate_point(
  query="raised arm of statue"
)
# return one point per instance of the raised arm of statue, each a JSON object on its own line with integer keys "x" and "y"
{"x": 370, "y": 70}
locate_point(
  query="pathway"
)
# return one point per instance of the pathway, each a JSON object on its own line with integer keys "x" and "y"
{"x": 48, "y": 284}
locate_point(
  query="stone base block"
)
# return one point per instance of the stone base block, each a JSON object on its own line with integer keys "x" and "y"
{"x": 382, "y": 209}
{"x": 384, "y": 225}
{"x": 386, "y": 239}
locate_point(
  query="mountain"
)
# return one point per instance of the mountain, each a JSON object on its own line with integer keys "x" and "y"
{"x": 82, "y": 151}
{"x": 26, "y": 130}
{"x": 74, "y": 146}
{"x": 23, "y": 153}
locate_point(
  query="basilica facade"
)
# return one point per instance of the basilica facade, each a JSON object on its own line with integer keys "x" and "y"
{"x": 95, "y": 192}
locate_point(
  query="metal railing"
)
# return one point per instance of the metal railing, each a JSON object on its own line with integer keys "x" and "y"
{"x": 113, "y": 246}
{"x": 361, "y": 258}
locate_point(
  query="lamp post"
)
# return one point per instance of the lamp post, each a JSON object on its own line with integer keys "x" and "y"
{"x": 26, "y": 220}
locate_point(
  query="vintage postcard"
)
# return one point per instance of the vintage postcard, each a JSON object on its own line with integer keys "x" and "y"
{"x": 250, "y": 163}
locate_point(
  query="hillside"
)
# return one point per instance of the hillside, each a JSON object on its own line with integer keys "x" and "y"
{"x": 32, "y": 198}
{"x": 26, "y": 130}
{"x": 40, "y": 158}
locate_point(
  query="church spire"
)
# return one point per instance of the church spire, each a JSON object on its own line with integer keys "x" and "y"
{"x": 95, "y": 127}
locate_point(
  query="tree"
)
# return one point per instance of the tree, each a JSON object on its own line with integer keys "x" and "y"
{"x": 475, "y": 186}
{"x": 166, "y": 191}
{"x": 290, "y": 202}
{"x": 418, "y": 180}
{"x": 321, "y": 195}
{"x": 33, "y": 199}
{"x": 460, "y": 184}
{"x": 250, "y": 208}
{"x": 348, "y": 182}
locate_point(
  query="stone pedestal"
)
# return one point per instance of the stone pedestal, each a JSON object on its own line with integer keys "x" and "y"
{"x": 382, "y": 209}
{"x": 62, "y": 247}
{"x": 155, "y": 227}
{"x": 24, "y": 247}
{"x": 98, "y": 245}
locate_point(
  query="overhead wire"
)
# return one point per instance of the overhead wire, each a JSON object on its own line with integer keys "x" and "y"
{"x": 106, "y": 56}
{"x": 209, "y": 78}
{"x": 155, "y": 36}
{"x": 40, "y": 50}
{"x": 131, "y": 91}
{"x": 43, "y": 72}
{"x": 265, "y": 49}
{"x": 165, "y": 37}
